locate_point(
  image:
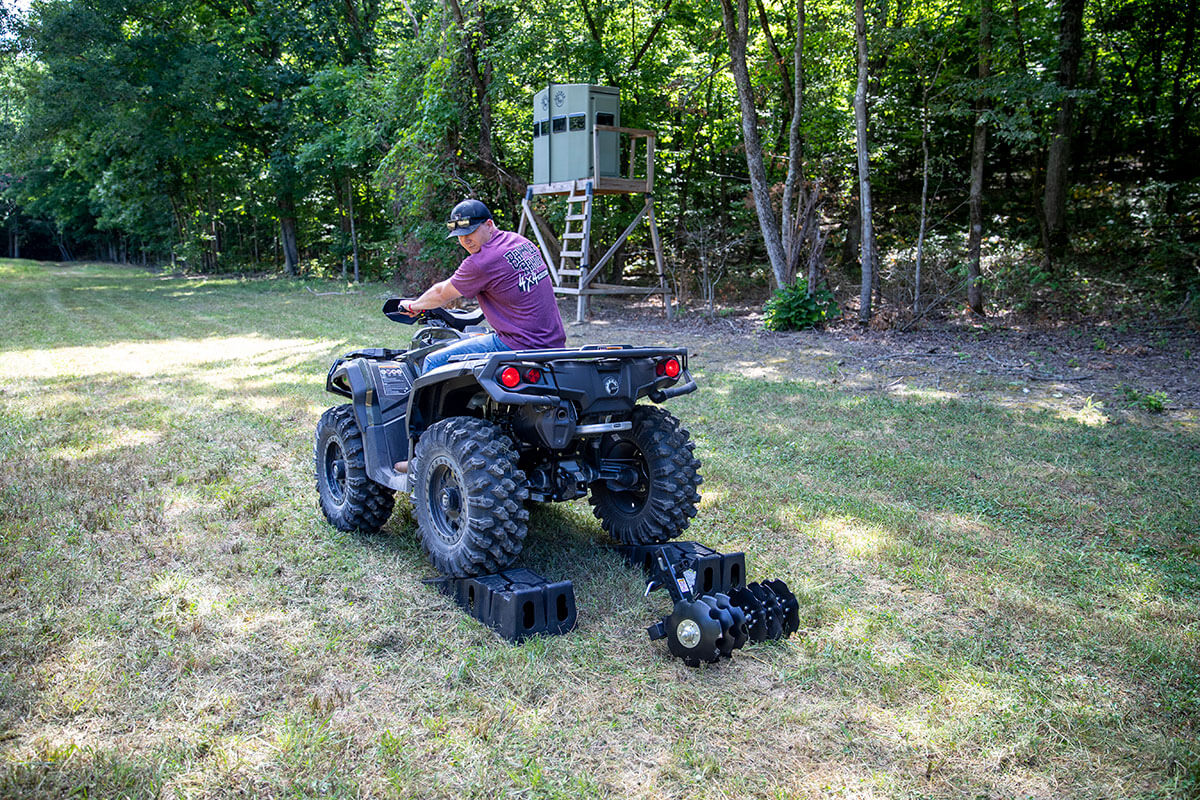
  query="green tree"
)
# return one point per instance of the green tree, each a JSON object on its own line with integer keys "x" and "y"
{"x": 335, "y": 133}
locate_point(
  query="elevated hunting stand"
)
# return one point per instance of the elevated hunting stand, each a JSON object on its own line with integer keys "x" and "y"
{"x": 576, "y": 154}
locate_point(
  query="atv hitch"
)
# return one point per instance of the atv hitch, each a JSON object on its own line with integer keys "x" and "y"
{"x": 715, "y": 612}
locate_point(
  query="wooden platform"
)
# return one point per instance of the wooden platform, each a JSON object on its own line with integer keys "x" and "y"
{"x": 601, "y": 185}
{"x": 613, "y": 184}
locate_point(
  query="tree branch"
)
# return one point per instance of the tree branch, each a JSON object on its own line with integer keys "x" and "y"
{"x": 650, "y": 37}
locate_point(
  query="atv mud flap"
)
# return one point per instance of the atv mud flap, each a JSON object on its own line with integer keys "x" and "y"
{"x": 516, "y": 603}
{"x": 379, "y": 389}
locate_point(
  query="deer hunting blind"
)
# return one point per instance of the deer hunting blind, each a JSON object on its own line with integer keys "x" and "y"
{"x": 579, "y": 147}
{"x": 564, "y": 120}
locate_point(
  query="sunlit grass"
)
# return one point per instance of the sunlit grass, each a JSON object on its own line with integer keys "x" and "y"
{"x": 994, "y": 601}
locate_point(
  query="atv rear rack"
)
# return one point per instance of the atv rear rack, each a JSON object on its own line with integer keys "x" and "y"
{"x": 489, "y": 363}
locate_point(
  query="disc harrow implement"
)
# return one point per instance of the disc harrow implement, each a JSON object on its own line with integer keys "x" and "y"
{"x": 715, "y": 611}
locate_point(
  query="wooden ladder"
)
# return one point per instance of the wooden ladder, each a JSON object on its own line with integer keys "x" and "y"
{"x": 577, "y": 236}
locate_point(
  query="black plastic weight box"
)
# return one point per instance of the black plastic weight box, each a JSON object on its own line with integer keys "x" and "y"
{"x": 715, "y": 572}
{"x": 516, "y": 603}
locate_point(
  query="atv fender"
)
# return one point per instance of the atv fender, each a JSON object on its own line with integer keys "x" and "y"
{"x": 379, "y": 391}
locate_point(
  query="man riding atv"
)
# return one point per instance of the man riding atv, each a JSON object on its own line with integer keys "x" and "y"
{"x": 494, "y": 420}
{"x": 497, "y": 420}
{"x": 507, "y": 274}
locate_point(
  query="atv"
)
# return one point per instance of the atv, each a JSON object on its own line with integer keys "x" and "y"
{"x": 476, "y": 439}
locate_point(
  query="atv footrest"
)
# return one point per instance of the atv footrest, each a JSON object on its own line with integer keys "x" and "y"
{"x": 516, "y": 603}
{"x": 714, "y": 572}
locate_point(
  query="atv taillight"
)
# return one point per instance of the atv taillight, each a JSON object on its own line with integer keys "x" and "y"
{"x": 533, "y": 375}
{"x": 510, "y": 377}
{"x": 670, "y": 368}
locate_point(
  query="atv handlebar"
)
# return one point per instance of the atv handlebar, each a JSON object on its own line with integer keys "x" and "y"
{"x": 438, "y": 317}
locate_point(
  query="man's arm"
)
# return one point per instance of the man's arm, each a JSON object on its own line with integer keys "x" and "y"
{"x": 435, "y": 296}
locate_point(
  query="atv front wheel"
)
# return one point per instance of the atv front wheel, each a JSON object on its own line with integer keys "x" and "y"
{"x": 350, "y": 500}
{"x": 469, "y": 497}
{"x": 656, "y": 496}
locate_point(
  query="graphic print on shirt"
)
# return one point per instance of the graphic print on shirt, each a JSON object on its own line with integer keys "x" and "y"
{"x": 528, "y": 263}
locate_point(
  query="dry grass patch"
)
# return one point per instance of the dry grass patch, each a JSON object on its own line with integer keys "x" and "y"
{"x": 993, "y": 602}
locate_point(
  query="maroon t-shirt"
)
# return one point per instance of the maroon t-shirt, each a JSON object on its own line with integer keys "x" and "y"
{"x": 512, "y": 283}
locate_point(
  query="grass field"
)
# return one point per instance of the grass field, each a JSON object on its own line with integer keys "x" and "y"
{"x": 994, "y": 602}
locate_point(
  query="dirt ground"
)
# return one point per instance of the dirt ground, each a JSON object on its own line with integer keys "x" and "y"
{"x": 1097, "y": 365}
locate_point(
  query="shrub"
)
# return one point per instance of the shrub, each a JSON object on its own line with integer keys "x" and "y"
{"x": 1154, "y": 402}
{"x": 792, "y": 308}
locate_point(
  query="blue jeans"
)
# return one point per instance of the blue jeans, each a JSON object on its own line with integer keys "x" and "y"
{"x": 487, "y": 343}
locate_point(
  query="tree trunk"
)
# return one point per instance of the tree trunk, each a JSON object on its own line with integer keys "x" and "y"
{"x": 924, "y": 199}
{"x": 1035, "y": 170}
{"x": 1058, "y": 160}
{"x": 353, "y": 230}
{"x": 811, "y": 230}
{"x": 864, "y": 168}
{"x": 793, "y": 186}
{"x": 480, "y": 71}
{"x": 978, "y": 158}
{"x": 64, "y": 249}
{"x": 287, "y": 236}
{"x": 345, "y": 225}
{"x": 736, "y": 27}
{"x": 215, "y": 230}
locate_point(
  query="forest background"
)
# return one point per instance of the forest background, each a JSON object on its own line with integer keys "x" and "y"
{"x": 1022, "y": 156}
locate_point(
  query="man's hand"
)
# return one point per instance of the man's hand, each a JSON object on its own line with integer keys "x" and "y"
{"x": 406, "y": 307}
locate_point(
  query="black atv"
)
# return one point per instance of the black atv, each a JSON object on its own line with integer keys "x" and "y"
{"x": 473, "y": 440}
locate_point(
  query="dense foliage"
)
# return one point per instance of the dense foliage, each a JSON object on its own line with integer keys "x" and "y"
{"x": 794, "y": 308}
{"x": 318, "y": 136}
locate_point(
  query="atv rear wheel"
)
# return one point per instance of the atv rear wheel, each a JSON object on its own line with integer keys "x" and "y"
{"x": 658, "y": 505}
{"x": 350, "y": 500}
{"x": 469, "y": 497}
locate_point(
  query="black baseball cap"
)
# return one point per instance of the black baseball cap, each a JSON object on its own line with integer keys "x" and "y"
{"x": 466, "y": 217}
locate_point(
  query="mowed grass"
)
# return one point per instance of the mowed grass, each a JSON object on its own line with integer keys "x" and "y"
{"x": 994, "y": 603}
